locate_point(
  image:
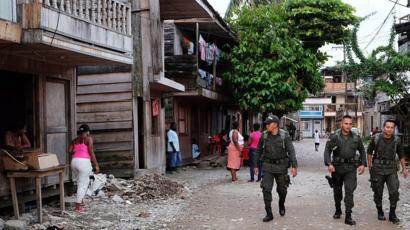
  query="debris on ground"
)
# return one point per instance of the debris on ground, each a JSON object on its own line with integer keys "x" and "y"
{"x": 116, "y": 203}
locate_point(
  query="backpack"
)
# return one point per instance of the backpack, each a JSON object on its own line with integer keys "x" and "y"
{"x": 282, "y": 134}
{"x": 379, "y": 136}
{"x": 335, "y": 139}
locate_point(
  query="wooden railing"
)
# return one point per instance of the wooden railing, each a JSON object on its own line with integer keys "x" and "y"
{"x": 107, "y": 13}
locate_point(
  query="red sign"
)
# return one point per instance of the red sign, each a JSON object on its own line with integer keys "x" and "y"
{"x": 155, "y": 107}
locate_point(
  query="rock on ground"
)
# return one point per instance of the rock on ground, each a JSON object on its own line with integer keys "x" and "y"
{"x": 15, "y": 225}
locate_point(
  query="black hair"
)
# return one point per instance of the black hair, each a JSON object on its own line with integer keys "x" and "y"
{"x": 83, "y": 128}
{"x": 347, "y": 116}
{"x": 389, "y": 120}
{"x": 256, "y": 126}
{"x": 173, "y": 125}
{"x": 245, "y": 137}
{"x": 235, "y": 125}
{"x": 193, "y": 140}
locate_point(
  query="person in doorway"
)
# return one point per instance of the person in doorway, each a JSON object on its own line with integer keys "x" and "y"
{"x": 15, "y": 138}
{"x": 276, "y": 150}
{"x": 254, "y": 137}
{"x": 317, "y": 140}
{"x": 292, "y": 131}
{"x": 173, "y": 147}
{"x": 235, "y": 151}
{"x": 381, "y": 156}
{"x": 342, "y": 162}
{"x": 82, "y": 151}
{"x": 195, "y": 150}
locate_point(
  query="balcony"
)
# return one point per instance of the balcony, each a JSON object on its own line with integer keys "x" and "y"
{"x": 332, "y": 109}
{"x": 184, "y": 69}
{"x": 76, "y": 32}
{"x": 338, "y": 88}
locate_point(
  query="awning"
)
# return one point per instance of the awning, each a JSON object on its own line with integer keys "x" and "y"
{"x": 290, "y": 119}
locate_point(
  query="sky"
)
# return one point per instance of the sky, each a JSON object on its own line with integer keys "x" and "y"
{"x": 367, "y": 30}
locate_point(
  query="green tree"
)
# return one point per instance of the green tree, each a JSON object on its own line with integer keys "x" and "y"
{"x": 274, "y": 68}
{"x": 384, "y": 69}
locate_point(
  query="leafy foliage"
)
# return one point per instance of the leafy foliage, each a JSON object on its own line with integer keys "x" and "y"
{"x": 385, "y": 67}
{"x": 274, "y": 69}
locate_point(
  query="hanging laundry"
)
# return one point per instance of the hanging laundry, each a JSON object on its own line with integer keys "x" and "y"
{"x": 202, "y": 48}
{"x": 218, "y": 81}
{"x": 210, "y": 54}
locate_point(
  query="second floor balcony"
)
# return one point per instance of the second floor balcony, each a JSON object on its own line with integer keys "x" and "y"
{"x": 351, "y": 108}
{"x": 338, "y": 88}
{"x": 75, "y": 32}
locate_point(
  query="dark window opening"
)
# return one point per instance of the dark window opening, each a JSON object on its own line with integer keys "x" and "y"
{"x": 17, "y": 100}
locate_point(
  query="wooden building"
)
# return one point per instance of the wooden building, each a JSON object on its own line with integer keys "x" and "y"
{"x": 193, "y": 48}
{"x": 41, "y": 43}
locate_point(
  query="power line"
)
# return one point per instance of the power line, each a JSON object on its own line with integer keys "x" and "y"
{"x": 397, "y": 3}
{"x": 383, "y": 23}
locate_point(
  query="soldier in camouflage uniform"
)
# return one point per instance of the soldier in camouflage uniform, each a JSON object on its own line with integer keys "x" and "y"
{"x": 381, "y": 155}
{"x": 277, "y": 153}
{"x": 342, "y": 161}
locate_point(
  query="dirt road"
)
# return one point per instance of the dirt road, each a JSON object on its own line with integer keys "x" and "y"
{"x": 309, "y": 204}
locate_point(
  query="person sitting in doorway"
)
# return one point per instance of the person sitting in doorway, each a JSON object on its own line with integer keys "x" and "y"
{"x": 15, "y": 139}
{"x": 195, "y": 150}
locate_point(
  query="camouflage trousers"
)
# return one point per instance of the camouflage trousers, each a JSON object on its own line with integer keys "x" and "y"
{"x": 282, "y": 181}
{"x": 377, "y": 185}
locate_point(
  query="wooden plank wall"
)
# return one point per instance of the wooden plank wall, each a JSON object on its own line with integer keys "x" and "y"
{"x": 104, "y": 102}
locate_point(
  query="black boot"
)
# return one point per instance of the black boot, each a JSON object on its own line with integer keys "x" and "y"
{"x": 269, "y": 215}
{"x": 338, "y": 212}
{"x": 380, "y": 213}
{"x": 392, "y": 216}
{"x": 282, "y": 209}
{"x": 348, "y": 219}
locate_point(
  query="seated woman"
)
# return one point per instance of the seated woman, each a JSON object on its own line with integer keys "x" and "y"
{"x": 195, "y": 150}
{"x": 15, "y": 139}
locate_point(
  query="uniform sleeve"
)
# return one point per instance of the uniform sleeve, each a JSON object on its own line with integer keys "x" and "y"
{"x": 328, "y": 152}
{"x": 259, "y": 151}
{"x": 363, "y": 157}
{"x": 371, "y": 147}
{"x": 400, "y": 150}
{"x": 291, "y": 151}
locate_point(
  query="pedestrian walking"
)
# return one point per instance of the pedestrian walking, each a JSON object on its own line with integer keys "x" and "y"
{"x": 254, "y": 137}
{"x": 276, "y": 150}
{"x": 174, "y": 154}
{"x": 382, "y": 152}
{"x": 235, "y": 151}
{"x": 342, "y": 161}
{"x": 317, "y": 140}
{"x": 82, "y": 150}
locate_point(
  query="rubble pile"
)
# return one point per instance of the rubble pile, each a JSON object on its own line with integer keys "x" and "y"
{"x": 148, "y": 187}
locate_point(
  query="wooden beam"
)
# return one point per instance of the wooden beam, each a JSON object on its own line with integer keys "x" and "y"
{"x": 192, "y": 20}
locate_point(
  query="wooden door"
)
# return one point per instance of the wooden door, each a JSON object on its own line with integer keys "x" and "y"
{"x": 57, "y": 121}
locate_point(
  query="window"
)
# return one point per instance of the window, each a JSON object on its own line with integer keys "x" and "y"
{"x": 312, "y": 108}
{"x": 182, "y": 120}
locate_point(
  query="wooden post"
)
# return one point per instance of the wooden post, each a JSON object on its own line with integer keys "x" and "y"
{"x": 197, "y": 51}
{"x": 39, "y": 201}
{"x": 62, "y": 203}
{"x": 14, "y": 197}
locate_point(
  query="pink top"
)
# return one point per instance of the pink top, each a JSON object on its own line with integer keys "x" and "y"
{"x": 81, "y": 151}
{"x": 254, "y": 137}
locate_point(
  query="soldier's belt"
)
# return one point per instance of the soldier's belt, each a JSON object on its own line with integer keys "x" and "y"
{"x": 383, "y": 161}
{"x": 339, "y": 160}
{"x": 275, "y": 161}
